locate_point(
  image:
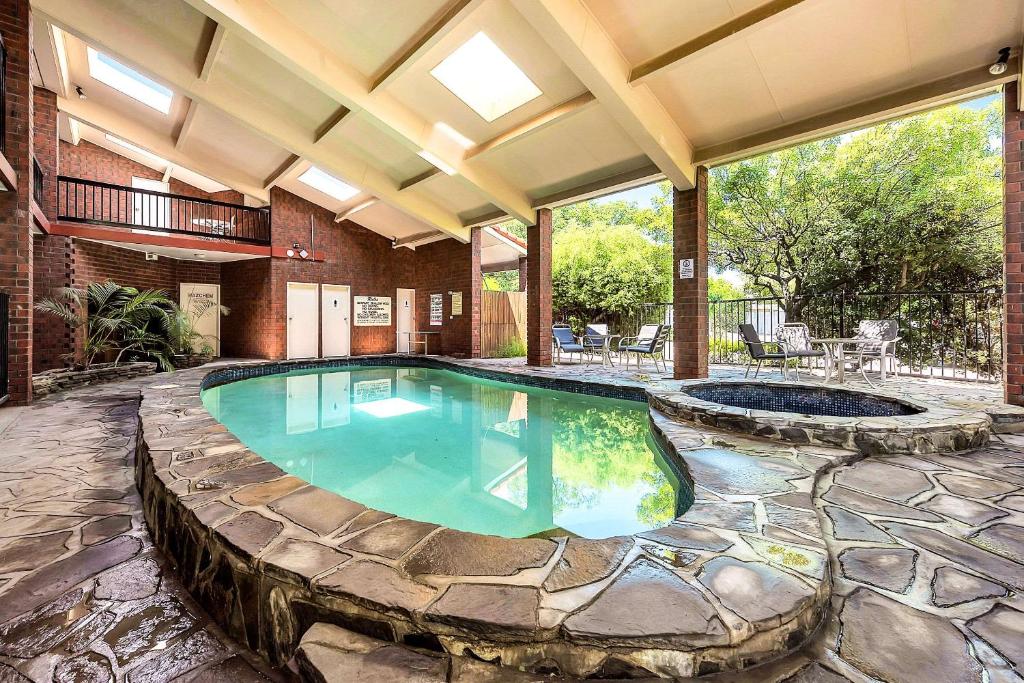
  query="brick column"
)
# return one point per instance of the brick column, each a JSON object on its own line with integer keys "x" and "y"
{"x": 52, "y": 254}
{"x": 476, "y": 287}
{"x": 690, "y": 295}
{"x": 15, "y": 213}
{"x": 1013, "y": 258}
{"x": 522, "y": 273}
{"x": 538, "y": 290}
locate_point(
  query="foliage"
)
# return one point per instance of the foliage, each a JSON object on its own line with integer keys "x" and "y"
{"x": 116, "y": 318}
{"x": 905, "y": 205}
{"x": 513, "y": 348}
{"x": 502, "y": 281}
{"x": 182, "y": 334}
{"x": 607, "y": 270}
{"x": 721, "y": 289}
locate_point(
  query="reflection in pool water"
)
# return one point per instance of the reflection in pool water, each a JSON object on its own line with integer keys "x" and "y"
{"x": 472, "y": 454}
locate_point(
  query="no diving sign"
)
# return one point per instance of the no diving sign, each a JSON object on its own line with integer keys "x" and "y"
{"x": 685, "y": 268}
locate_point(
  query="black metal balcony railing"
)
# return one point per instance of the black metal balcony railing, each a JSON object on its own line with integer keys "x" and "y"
{"x": 37, "y": 182}
{"x": 89, "y": 201}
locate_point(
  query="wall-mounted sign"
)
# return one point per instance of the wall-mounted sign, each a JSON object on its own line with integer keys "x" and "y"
{"x": 685, "y": 268}
{"x": 456, "y": 303}
{"x": 372, "y": 311}
{"x": 436, "y": 309}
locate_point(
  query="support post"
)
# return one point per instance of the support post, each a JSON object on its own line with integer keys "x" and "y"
{"x": 522, "y": 273}
{"x": 1013, "y": 258}
{"x": 538, "y": 290}
{"x": 15, "y": 206}
{"x": 690, "y": 279}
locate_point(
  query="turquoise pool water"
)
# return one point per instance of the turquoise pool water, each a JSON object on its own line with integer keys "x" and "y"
{"x": 472, "y": 454}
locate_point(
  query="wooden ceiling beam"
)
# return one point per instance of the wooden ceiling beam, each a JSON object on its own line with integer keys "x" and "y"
{"x": 576, "y": 36}
{"x": 213, "y": 52}
{"x": 111, "y": 29}
{"x": 958, "y": 87}
{"x": 716, "y": 35}
{"x": 278, "y": 37}
{"x": 537, "y": 123}
{"x": 449, "y": 18}
{"x": 281, "y": 171}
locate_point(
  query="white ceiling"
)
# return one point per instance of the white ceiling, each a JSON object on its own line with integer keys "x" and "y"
{"x": 283, "y": 70}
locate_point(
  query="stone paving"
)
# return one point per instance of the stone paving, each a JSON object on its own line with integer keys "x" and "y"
{"x": 925, "y": 554}
{"x": 84, "y": 595}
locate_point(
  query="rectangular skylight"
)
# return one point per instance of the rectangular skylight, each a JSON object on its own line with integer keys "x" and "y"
{"x": 135, "y": 148}
{"x": 130, "y": 82}
{"x": 483, "y": 77}
{"x": 328, "y": 184}
{"x": 390, "y": 407}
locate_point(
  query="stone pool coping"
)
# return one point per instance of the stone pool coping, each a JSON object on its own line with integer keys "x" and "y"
{"x": 741, "y": 578}
{"x": 939, "y": 428}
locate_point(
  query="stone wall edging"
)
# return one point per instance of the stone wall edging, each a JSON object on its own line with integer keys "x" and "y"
{"x": 193, "y": 474}
{"x": 62, "y": 379}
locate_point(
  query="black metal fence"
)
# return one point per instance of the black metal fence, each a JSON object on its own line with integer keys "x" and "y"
{"x": 37, "y": 182}
{"x": 89, "y": 201}
{"x": 5, "y": 308}
{"x": 953, "y": 334}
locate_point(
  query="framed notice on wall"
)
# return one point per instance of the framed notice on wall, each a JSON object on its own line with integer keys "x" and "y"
{"x": 372, "y": 311}
{"x": 436, "y": 309}
{"x": 456, "y": 303}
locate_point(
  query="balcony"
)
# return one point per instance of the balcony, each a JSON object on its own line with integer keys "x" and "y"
{"x": 96, "y": 203}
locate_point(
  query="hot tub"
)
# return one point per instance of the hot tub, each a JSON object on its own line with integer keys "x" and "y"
{"x": 805, "y": 400}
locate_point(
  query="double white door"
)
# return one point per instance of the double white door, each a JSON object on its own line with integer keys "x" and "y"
{"x": 318, "y": 320}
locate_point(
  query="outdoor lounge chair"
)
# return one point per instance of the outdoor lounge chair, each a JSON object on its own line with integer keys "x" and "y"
{"x": 564, "y": 340}
{"x": 757, "y": 351}
{"x": 795, "y": 339}
{"x": 882, "y": 336}
{"x": 649, "y": 342}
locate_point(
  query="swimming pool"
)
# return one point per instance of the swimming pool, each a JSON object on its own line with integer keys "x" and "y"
{"x": 472, "y": 454}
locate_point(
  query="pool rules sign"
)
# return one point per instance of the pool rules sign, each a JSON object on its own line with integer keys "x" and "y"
{"x": 372, "y": 311}
{"x": 686, "y": 269}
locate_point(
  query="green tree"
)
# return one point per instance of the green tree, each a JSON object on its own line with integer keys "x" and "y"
{"x": 607, "y": 270}
{"x": 902, "y": 206}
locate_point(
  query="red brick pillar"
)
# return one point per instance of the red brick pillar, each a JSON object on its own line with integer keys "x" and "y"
{"x": 690, "y": 292}
{"x": 52, "y": 254}
{"x": 538, "y": 290}
{"x": 15, "y": 208}
{"x": 522, "y": 273}
{"x": 1013, "y": 258}
{"x": 476, "y": 287}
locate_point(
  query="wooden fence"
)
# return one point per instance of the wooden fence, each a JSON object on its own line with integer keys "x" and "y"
{"x": 502, "y": 319}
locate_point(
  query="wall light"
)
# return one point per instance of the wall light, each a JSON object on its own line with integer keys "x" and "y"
{"x": 1000, "y": 64}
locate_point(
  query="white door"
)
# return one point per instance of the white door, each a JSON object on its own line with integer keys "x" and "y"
{"x": 405, "y": 302}
{"x": 334, "y": 315}
{"x": 303, "y": 392}
{"x": 149, "y": 210}
{"x": 303, "y": 320}
{"x": 201, "y": 303}
{"x": 335, "y": 399}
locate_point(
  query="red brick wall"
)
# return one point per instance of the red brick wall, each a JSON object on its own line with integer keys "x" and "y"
{"x": 249, "y": 330}
{"x": 440, "y": 268}
{"x": 15, "y": 235}
{"x": 690, "y": 296}
{"x": 1013, "y": 275}
{"x": 257, "y": 292}
{"x": 538, "y": 290}
{"x": 95, "y": 262}
{"x": 52, "y": 254}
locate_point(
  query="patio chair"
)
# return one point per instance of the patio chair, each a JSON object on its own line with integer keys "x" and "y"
{"x": 795, "y": 339}
{"x": 650, "y": 342}
{"x": 596, "y": 339}
{"x": 564, "y": 340}
{"x": 882, "y": 336}
{"x": 758, "y": 352}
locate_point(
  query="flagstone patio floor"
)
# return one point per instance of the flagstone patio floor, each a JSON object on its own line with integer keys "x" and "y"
{"x": 926, "y": 555}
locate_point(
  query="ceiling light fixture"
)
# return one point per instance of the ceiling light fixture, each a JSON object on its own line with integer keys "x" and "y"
{"x": 1000, "y": 64}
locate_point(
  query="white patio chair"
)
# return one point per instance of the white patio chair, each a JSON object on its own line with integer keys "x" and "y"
{"x": 881, "y": 337}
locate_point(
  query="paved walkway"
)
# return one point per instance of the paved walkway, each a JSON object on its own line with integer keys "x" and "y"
{"x": 84, "y": 596}
{"x": 926, "y": 553}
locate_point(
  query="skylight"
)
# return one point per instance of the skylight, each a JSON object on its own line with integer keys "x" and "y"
{"x": 128, "y": 81}
{"x": 135, "y": 148}
{"x": 483, "y": 77}
{"x": 328, "y": 184}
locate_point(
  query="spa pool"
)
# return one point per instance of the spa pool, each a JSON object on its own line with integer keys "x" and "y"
{"x": 472, "y": 454}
